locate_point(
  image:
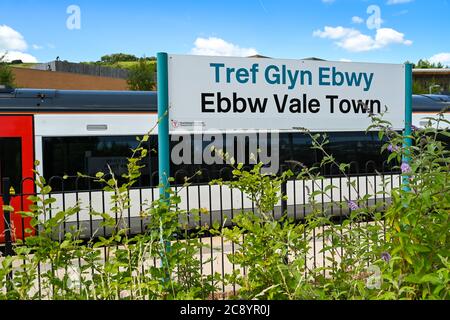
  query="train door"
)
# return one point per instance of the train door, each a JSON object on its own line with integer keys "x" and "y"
{"x": 16, "y": 163}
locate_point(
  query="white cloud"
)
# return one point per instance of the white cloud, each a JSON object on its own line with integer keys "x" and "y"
{"x": 443, "y": 57}
{"x": 354, "y": 41}
{"x": 357, "y": 20}
{"x": 17, "y": 55}
{"x": 12, "y": 44}
{"x": 335, "y": 32}
{"x": 386, "y": 36}
{"x": 218, "y": 47}
{"x": 345, "y": 60}
{"x": 398, "y": 1}
{"x": 400, "y": 13}
{"x": 10, "y": 39}
{"x": 37, "y": 47}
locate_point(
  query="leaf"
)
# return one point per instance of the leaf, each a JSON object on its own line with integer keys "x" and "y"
{"x": 430, "y": 278}
{"x": 420, "y": 248}
{"x": 408, "y": 258}
{"x": 8, "y": 208}
{"x": 49, "y": 201}
{"x": 46, "y": 190}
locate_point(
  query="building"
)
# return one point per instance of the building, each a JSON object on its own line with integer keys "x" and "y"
{"x": 432, "y": 80}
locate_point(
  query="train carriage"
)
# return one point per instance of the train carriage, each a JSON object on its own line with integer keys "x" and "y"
{"x": 86, "y": 131}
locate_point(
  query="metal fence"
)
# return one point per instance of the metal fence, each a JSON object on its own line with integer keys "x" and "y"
{"x": 212, "y": 204}
{"x": 83, "y": 68}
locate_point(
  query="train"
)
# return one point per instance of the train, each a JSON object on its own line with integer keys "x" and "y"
{"x": 71, "y": 131}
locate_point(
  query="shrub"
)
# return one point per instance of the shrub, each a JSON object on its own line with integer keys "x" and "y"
{"x": 396, "y": 250}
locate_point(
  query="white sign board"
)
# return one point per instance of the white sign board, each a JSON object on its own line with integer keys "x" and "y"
{"x": 223, "y": 93}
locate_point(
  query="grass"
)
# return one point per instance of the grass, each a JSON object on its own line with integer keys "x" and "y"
{"x": 23, "y": 65}
{"x": 120, "y": 64}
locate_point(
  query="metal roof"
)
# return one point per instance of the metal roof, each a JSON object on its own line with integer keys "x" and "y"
{"x": 45, "y": 100}
{"x": 433, "y": 71}
{"x": 50, "y": 100}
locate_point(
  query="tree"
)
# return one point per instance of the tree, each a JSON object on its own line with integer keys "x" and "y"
{"x": 425, "y": 64}
{"x": 118, "y": 57}
{"x": 6, "y": 74}
{"x": 142, "y": 76}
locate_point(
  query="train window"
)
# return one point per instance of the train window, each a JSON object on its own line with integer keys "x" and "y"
{"x": 359, "y": 149}
{"x": 242, "y": 146}
{"x": 445, "y": 140}
{"x": 11, "y": 161}
{"x": 285, "y": 147}
{"x": 89, "y": 155}
{"x": 213, "y": 162}
{"x": 302, "y": 151}
{"x": 192, "y": 153}
{"x": 182, "y": 156}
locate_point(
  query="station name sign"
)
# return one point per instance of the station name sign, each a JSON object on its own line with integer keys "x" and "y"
{"x": 226, "y": 93}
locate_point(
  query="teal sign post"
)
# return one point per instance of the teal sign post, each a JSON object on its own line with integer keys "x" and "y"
{"x": 163, "y": 124}
{"x": 163, "y": 139}
{"x": 408, "y": 121}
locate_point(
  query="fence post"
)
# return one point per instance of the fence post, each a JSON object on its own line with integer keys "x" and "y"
{"x": 6, "y": 184}
{"x": 284, "y": 206}
{"x": 283, "y": 193}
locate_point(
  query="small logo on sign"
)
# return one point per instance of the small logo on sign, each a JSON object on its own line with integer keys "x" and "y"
{"x": 177, "y": 124}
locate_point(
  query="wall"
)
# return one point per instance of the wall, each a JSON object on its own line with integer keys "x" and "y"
{"x": 39, "y": 79}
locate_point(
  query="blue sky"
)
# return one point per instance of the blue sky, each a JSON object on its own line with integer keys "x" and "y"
{"x": 329, "y": 29}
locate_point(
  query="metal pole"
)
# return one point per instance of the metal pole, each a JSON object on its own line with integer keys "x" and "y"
{"x": 163, "y": 143}
{"x": 7, "y": 216}
{"x": 6, "y": 184}
{"x": 430, "y": 88}
{"x": 408, "y": 121}
{"x": 163, "y": 124}
{"x": 283, "y": 193}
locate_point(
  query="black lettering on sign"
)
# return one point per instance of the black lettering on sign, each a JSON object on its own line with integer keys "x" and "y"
{"x": 236, "y": 104}
{"x": 205, "y": 102}
{"x": 296, "y": 105}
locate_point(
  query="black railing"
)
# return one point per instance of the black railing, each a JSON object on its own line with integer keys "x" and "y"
{"x": 6, "y": 197}
{"x": 220, "y": 203}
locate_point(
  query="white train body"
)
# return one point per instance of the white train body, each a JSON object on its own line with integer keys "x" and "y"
{"x": 107, "y": 115}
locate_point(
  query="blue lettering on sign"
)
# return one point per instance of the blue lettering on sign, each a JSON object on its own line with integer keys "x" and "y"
{"x": 282, "y": 75}
{"x": 217, "y": 67}
{"x": 242, "y": 75}
{"x": 333, "y": 77}
{"x": 272, "y": 75}
{"x": 322, "y": 76}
